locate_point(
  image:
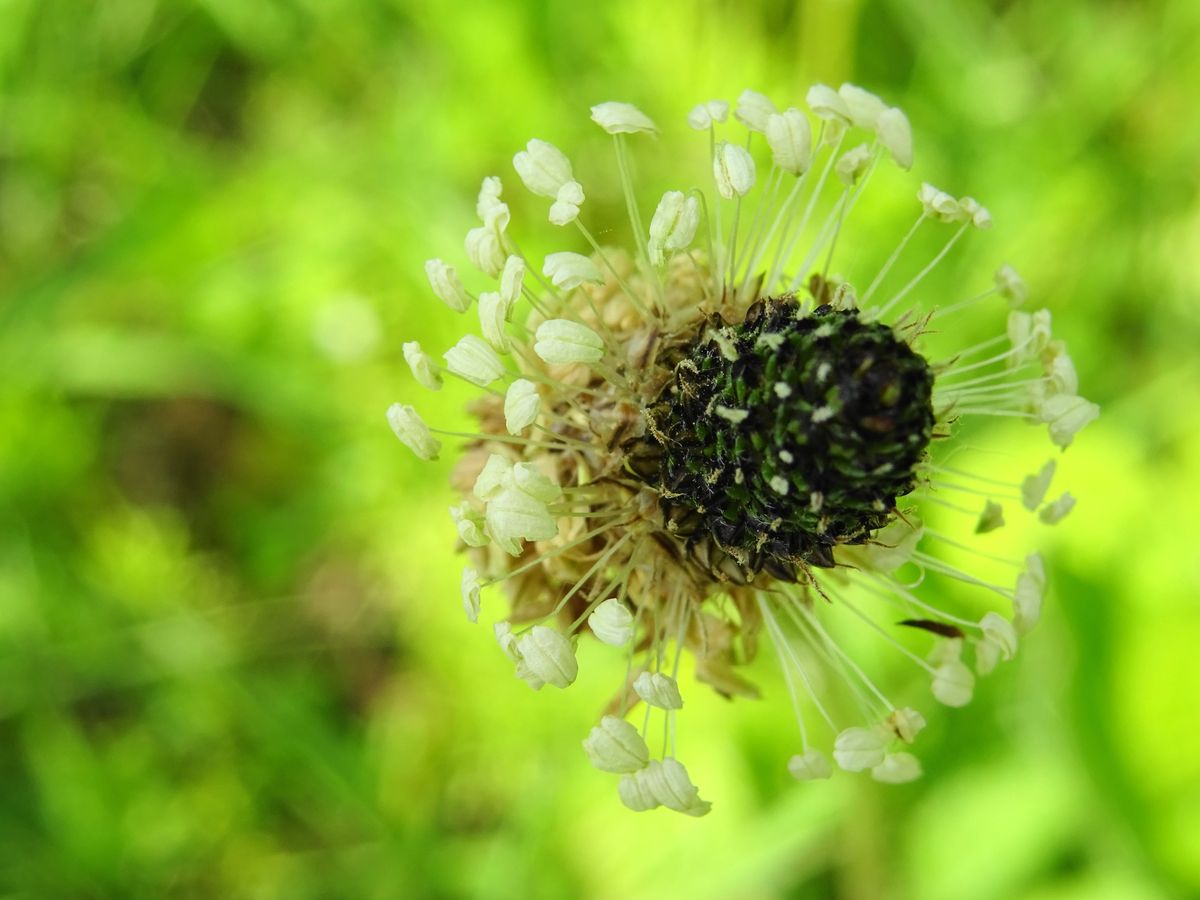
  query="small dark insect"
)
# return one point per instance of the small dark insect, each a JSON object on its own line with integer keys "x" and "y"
{"x": 945, "y": 629}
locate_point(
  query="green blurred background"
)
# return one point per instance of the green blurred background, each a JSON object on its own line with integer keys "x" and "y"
{"x": 233, "y": 661}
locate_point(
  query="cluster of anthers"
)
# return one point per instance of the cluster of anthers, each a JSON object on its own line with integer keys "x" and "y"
{"x": 710, "y": 436}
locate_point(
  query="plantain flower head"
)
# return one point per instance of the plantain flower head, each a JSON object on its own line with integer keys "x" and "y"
{"x": 708, "y": 440}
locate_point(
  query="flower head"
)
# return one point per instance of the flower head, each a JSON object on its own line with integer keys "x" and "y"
{"x": 710, "y": 437}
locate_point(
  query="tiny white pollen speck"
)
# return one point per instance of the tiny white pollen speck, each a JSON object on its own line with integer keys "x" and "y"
{"x": 726, "y": 345}
{"x": 733, "y": 415}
